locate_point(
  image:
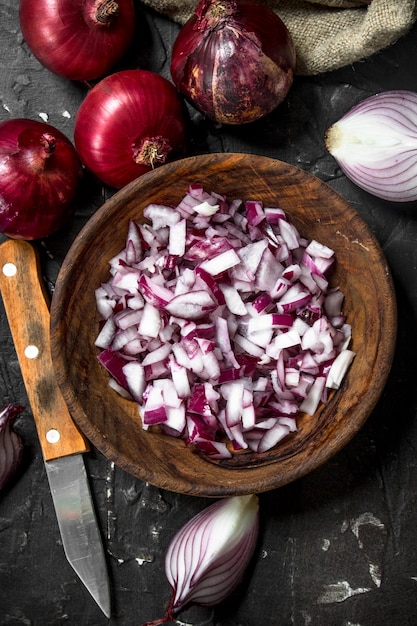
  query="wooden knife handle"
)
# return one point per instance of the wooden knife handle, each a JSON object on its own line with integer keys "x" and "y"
{"x": 27, "y": 309}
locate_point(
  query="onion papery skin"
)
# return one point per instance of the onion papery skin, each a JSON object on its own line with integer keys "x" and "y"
{"x": 121, "y": 115}
{"x": 40, "y": 174}
{"x": 375, "y": 145}
{"x": 234, "y": 61}
{"x": 68, "y": 38}
{"x": 11, "y": 444}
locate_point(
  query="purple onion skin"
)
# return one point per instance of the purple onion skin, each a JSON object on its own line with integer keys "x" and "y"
{"x": 237, "y": 67}
{"x": 40, "y": 174}
{"x": 11, "y": 445}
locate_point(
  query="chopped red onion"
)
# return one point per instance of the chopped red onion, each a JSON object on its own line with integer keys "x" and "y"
{"x": 219, "y": 322}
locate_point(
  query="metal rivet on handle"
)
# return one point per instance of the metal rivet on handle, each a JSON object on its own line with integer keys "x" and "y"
{"x": 53, "y": 436}
{"x": 31, "y": 352}
{"x": 9, "y": 269}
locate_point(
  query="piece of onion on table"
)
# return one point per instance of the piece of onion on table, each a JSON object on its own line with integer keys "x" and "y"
{"x": 219, "y": 321}
{"x": 375, "y": 145}
{"x": 11, "y": 444}
{"x": 206, "y": 559}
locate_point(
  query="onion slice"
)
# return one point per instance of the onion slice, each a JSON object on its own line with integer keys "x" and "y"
{"x": 226, "y": 345}
{"x": 207, "y": 558}
{"x": 375, "y": 145}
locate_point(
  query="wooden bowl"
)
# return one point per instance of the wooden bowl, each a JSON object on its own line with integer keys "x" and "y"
{"x": 112, "y": 423}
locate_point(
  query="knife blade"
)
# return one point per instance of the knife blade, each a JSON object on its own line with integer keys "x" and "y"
{"x": 26, "y": 304}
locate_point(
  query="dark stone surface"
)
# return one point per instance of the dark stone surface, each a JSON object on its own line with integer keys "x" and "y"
{"x": 337, "y": 548}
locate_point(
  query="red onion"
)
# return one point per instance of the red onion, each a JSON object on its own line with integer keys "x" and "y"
{"x": 79, "y": 39}
{"x": 129, "y": 123}
{"x": 39, "y": 178}
{"x": 11, "y": 446}
{"x": 207, "y": 558}
{"x": 375, "y": 145}
{"x": 227, "y": 342}
{"x": 233, "y": 60}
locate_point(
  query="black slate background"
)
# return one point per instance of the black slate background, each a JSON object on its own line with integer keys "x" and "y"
{"x": 337, "y": 547}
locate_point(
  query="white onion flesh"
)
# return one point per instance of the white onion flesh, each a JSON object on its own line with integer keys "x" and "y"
{"x": 375, "y": 145}
{"x": 225, "y": 345}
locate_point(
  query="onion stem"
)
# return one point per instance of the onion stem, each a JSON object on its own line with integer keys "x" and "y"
{"x": 153, "y": 151}
{"x": 48, "y": 143}
{"x": 215, "y": 12}
{"x": 106, "y": 11}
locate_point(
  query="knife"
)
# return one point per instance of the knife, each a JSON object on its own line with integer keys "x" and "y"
{"x": 26, "y": 303}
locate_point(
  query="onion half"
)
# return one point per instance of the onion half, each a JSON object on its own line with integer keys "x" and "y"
{"x": 375, "y": 145}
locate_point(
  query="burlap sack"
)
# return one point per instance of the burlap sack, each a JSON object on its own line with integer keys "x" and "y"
{"x": 328, "y": 34}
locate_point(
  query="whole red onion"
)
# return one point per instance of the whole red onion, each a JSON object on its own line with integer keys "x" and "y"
{"x": 78, "y": 39}
{"x": 233, "y": 60}
{"x": 129, "y": 123}
{"x": 39, "y": 177}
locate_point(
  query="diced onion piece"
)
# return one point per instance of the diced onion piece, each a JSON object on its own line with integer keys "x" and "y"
{"x": 177, "y": 234}
{"x": 135, "y": 379}
{"x": 192, "y": 305}
{"x": 220, "y": 263}
{"x": 312, "y": 400}
{"x": 339, "y": 368}
{"x": 232, "y": 299}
